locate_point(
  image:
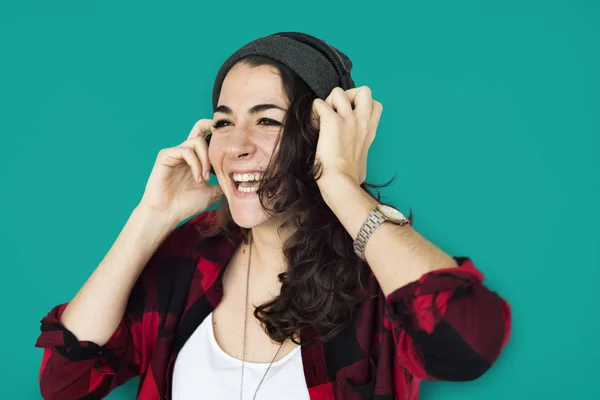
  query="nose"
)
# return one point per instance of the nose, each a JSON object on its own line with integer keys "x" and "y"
{"x": 240, "y": 144}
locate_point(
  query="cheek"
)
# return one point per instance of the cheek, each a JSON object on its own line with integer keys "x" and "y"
{"x": 269, "y": 144}
{"x": 215, "y": 157}
{"x": 215, "y": 152}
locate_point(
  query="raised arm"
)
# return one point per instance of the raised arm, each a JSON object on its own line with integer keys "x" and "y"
{"x": 446, "y": 323}
{"x": 90, "y": 344}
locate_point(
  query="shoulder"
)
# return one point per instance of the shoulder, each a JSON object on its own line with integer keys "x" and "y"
{"x": 204, "y": 219}
{"x": 189, "y": 242}
{"x": 177, "y": 253}
{"x": 185, "y": 238}
{"x": 177, "y": 261}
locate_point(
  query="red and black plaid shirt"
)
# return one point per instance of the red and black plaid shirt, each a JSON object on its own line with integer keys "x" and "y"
{"x": 445, "y": 326}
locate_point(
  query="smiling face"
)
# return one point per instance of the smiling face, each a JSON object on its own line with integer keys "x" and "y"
{"x": 247, "y": 124}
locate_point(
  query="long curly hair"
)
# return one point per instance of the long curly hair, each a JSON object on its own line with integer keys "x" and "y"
{"x": 325, "y": 280}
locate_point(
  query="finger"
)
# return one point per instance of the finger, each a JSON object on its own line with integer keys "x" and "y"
{"x": 200, "y": 128}
{"x": 340, "y": 103}
{"x": 200, "y": 147}
{"x": 173, "y": 156}
{"x": 350, "y": 93}
{"x": 329, "y": 100}
{"x": 374, "y": 120}
{"x": 320, "y": 109}
{"x": 363, "y": 102}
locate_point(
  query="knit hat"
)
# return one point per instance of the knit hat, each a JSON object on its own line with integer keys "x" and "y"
{"x": 316, "y": 64}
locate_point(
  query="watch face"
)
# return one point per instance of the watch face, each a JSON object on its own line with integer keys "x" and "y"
{"x": 391, "y": 213}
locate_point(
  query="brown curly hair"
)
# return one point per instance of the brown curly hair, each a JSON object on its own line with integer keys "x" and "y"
{"x": 325, "y": 280}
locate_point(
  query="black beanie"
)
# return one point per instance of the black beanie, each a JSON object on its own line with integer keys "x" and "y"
{"x": 310, "y": 64}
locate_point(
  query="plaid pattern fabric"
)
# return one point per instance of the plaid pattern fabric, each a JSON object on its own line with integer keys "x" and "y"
{"x": 445, "y": 326}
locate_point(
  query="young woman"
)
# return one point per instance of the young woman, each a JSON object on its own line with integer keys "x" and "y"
{"x": 300, "y": 286}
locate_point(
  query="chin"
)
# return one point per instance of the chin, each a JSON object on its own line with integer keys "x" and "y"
{"x": 248, "y": 215}
{"x": 245, "y": 208}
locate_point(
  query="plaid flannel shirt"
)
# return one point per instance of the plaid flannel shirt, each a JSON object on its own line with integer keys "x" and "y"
{"x": 445, "y": 326}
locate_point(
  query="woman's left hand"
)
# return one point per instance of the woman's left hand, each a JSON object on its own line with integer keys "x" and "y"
{"x": 347, "y": 123}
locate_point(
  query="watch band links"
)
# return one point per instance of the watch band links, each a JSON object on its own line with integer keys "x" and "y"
{"x": 374, "y": 219}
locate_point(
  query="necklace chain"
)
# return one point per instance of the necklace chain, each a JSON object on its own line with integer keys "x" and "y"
{"x": 246, "y": 331}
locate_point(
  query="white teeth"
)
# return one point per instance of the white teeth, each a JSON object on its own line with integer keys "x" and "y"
{"x": 247, "y": 177}
{"x": 247, "y": 182}
{"x": 248, "y": 189}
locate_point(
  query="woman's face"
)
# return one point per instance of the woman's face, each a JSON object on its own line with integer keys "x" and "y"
{"x": 247, "y": 123}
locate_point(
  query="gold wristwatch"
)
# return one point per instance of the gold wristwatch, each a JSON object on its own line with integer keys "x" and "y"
{"x": 376, "y": 217}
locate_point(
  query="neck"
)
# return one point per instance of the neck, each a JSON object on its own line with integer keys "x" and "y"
{"x": 267, "y": 247}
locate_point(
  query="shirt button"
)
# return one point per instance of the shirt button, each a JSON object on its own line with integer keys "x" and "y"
{"x": 98, "y": 366}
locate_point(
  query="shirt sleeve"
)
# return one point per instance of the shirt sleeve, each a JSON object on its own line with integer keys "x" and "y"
{"x": 74, "y": 369}
{"x": 447, "y": 325}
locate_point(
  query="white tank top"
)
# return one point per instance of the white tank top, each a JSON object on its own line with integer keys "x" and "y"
{"x": 204, "y": 371}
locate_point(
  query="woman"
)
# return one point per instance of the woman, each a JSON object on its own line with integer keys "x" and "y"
{"x": 300, "y": 286}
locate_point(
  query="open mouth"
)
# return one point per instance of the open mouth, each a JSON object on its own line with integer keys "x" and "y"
{"x": 247, "y": 182}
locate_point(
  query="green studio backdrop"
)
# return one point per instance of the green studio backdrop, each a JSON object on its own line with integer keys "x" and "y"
{"x": 490, "y": 122}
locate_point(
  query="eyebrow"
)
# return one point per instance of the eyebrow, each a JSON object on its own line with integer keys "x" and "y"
{"x": 254, "y": 110}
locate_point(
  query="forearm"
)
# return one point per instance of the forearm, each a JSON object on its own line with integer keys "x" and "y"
{"x": 396, "y": 254}
{"x": 95, "y": 312}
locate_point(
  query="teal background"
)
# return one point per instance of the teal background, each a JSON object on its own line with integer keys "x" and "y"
{"x": 490, "y": 121}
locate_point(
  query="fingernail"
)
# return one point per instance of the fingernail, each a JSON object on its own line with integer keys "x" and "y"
{"x": 200, "y": 178}
{"x": 207, "y": 175}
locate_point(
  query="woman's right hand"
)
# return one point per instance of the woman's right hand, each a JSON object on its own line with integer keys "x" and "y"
{"x": 177, "y": 186}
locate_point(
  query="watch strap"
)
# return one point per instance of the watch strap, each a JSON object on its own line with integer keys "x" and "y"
{"x": 374, "y": 219}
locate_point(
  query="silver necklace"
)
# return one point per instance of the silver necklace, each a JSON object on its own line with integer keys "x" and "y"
{"x": 245, "y": 332}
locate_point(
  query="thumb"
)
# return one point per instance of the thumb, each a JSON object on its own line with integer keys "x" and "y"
{"x": 320, "y": 109}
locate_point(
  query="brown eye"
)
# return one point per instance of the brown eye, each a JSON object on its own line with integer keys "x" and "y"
{"x": 268, "y": 121}
{"x": 220, "y": 123}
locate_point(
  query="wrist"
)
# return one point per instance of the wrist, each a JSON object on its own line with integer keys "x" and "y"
{"x": 330, "y": 185}
{"x": 154, "y": 219}
{"x": 349, "y": 202}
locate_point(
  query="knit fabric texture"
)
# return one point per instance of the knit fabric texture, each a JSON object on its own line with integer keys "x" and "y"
{"x": 309, "y": 63}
